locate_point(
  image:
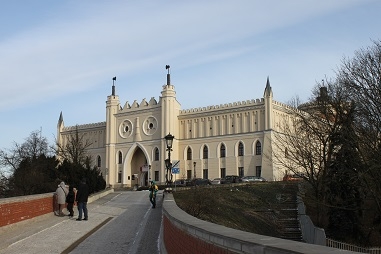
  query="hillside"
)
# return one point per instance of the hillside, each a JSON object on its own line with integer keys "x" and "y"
{"x": 262, "y": 208}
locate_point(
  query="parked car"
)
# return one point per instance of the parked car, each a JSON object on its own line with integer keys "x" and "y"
{"x": 180, "y": 182}
{"x": 200, "y": 181}
{"x": 188, "y": 182}
{"x": 230, "y": 179}
{"x": 252, "y": 179}
{"x": 216, "y": 181}
{"x": 292, "y": 178}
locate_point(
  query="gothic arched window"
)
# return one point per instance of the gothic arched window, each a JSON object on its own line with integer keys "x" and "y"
{"x": 258, "y": 148}
{"x": 99, "y": 161}
{"x": 222, "y": 151}
{"x": 157, "y": 155}
{"x": 189, "y": 154}
{"x": 205, "y": 152}
{"x": 240, "y": 149}
{"x": 120, "y": 157}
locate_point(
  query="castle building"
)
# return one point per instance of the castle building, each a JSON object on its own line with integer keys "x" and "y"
{"x": 129, "y": 147}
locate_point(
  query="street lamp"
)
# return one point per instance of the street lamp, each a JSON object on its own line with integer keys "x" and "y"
{"x": 149, "y": 171}
{"x": 194, "y": 169}
{"x": 107, "y": 181}
{"x": 168, "y": 165}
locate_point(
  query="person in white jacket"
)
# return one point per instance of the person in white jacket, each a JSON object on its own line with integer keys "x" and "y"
{"x": 61, "y": 194}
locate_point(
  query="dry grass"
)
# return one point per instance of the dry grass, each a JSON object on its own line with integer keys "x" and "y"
{"x": 256, "y": 208}
{"x": 253, "y": 208}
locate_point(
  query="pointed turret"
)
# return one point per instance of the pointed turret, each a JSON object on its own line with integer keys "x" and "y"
{"x": 60, "y": 120}
{"x": 268, "y": 91}
{"x": 268, "y": 97}
{"x": 267, "y": 161}
{"x": 60, "y": 126}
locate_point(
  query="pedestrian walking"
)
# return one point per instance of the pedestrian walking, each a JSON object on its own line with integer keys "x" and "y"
{"x": 152, "y": 193}
{"x": 70, "y": 199}
{"x": 81, "y": 198}
{"x": 61, "y": 194}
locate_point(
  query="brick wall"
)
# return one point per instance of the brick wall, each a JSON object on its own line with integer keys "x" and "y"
{"x": 177, "y": 240}
{"x": 17, "y": 209}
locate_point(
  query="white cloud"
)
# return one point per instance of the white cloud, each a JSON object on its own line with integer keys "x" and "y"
{"x": 76, "y": 47}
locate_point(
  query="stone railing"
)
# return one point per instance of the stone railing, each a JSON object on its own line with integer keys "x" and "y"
{"x": 311, "y": 234}
{"x": 187, "y": 234}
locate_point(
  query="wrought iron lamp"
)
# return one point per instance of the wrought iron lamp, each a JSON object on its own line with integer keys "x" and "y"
{"x": 168, "y": 165}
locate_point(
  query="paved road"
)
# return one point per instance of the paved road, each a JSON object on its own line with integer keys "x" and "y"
{"x": 136, "y": 230}
{"x": 120, "y": 222}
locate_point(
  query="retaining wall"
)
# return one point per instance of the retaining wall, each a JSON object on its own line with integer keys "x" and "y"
{"x": 183, "y": 233}
{"x": 17, "y": 209}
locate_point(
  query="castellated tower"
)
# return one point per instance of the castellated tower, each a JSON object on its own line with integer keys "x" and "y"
{"x": 267, "y": 164}
{"x": 135, "y": 144}
{"x": 112, "y": 106}
{"x": 60, "y": 126}
{"x": 170, "y": 109}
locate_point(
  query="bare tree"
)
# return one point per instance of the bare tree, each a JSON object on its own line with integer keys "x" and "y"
{"x": 305, "y": 143}
{"x": 33, "y": 147}
{"x": 4, "y": 185}
{"x": 76, "y": 163}
{"x": 334, "y": 142}
{"x": 73, "y": 149}
{"x": 30, "y": 167}
{"x": 361, "y": 76}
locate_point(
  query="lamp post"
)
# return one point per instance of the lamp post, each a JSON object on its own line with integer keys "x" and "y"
{"x": 194, "y": 169}
{"x": 149, "y": 171}
{"x": 107, "y": 181}
{"x": 168, "y": 165}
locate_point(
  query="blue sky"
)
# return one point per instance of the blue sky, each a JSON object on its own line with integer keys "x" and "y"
{"x": 61, "y": 55}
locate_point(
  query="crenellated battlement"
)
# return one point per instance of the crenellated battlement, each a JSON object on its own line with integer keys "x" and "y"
{"x": 282, "y": 105}
{"x": 84, "y": 126}
{"x": 169, "y": 88}
{"x": 135, "y": 105}
{"x": 253, "y": 102}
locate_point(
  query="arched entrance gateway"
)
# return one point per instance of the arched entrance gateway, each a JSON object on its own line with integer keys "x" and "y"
{"x": 136, "y": 169}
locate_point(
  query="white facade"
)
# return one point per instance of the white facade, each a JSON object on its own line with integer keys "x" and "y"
{"x": 129, "y": 147}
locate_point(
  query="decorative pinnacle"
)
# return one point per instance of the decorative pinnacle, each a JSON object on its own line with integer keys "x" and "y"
{"x": 168, "y": 75}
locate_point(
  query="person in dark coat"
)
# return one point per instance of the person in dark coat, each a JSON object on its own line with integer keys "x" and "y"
{"x": 152, "y": 193}
{"x": 82, "y": 197}
{"x": 70, "y": 199}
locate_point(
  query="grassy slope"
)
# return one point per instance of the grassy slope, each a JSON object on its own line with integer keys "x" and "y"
{"x": 250, "y": 207}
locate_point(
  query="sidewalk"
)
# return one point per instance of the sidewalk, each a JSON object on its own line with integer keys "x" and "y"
{"x": 53, "y": 234}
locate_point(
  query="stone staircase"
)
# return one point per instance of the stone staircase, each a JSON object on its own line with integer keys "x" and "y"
{"x": 288, "y": 222}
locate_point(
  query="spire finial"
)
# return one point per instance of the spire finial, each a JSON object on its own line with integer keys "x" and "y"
{"x": 167, "y": 67}
{"x": 268, "y": 89}
{"x": 60, "y": 120}
{"x": 113, "y": 86}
